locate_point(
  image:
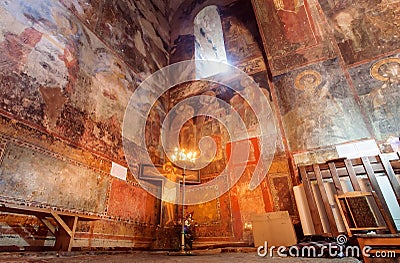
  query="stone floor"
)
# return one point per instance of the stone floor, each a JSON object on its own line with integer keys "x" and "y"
{"x": 208, "y": 256}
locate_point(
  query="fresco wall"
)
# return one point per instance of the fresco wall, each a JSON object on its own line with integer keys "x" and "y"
{"x": 318, "y": 108}
{"x": 328, "y": 68}
{"x": 68, "y": 69}
{"x": 377, "y": 84}
{"x": 338, "y": 84}
{"x": 244, "y": 49}
{"x": 330, "y": 75}
{"x": 293, "y": 33}
{"x": 365, "y": 30}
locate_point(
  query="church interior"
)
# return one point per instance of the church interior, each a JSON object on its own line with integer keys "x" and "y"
{"x": 187, "y": 125}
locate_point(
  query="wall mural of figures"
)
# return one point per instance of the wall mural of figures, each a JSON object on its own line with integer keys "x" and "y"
{"x": 241, "y": 35}
{"x": 58, "y": 75}
{"x": 378, "y": 85}
{"x": 291, "y": 37}
{"x": 139, "y": 38}
{"x": 242, "y": 200}
{"x": 318, "y": 108}
{"x": 365, "y": 30}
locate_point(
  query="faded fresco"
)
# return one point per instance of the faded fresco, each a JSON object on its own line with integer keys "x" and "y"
{"x": 366, "y": 29}
{"x": 245, "y": 202}
{"x": 213, "y": 218}
{"x": 59, "y": 76}
{"x": 281, "y": 188}
{"x": 138, "y": 31}
{"x": 240, "y": 31}
{"x": 131, "y": 202}
{"x": 290, "y": 33}
{"x": 67, "y": 70}
{"x": 318, "y": 108}
{"x": 378, "y": 86}
{"x": 208, "y": 213}
{"x": 38, "y": 177}
{"x": 250, "y": 202}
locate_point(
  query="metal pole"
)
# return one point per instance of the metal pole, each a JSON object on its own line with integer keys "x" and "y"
{"x": 183, "y": 211}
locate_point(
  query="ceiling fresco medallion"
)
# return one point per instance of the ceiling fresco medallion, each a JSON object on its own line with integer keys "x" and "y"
{"x": 308, "y": 79}
{"x": 387, "y": 69}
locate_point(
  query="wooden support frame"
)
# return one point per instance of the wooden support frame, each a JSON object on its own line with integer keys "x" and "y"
{"x": 377, "y": 189}
{"x": 349, "y": 216}
{"x": 49, "y": 225}
{"x": 66, "y": 233}
{"x": 66, "y": 222}
{"x": 369, "y": 167}
{"x": 335, "y": 177}
{"x": 376, "y": 242}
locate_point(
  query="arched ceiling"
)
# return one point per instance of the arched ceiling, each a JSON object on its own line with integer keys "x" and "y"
{"x": 174, "y": 5}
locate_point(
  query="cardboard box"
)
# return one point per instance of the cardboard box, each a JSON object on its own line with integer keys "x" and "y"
{"x": 276, "y": 228}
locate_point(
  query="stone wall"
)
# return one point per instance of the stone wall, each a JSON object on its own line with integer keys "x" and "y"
{"x": 68, "y": 69}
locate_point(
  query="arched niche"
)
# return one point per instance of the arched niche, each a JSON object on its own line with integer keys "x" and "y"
{"x": 209, "y": 41}
{"x": 182, "y": 27}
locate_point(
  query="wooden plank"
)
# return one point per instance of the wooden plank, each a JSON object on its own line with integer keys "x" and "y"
{"x": 328, "y": 208}
{"x": 380, "y": 241}
{"x": 369, "y": 228}
{"x": 386, "y": 215}
{"x": 33, "y": 210}
{"x": 27, "y": 210}
{"x": 362, "y": 244}
{"x": 335, "y": 178}
{"x": 346, "y": 223}
{"x": 61, "y": 222}
{"x": 71, "y": 241}
{"x": 311, "y": 201}
{"x": 391, "y": 175}
{"x": 378, "y": 193}
{"x": 65, "y": 235}
{"x": 342, "y": 171}
{"x": 49, "y": 225}
{"x": 395, "y": 164}
{"x": 352, "y": 175}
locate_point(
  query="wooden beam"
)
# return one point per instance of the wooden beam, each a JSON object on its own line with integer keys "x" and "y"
{"x": 61, "y": 222}
{"x": 65, "y": 235}
{"x": 71, "y": 241}
{"x": 352, "y": 175}
{"x": 49, "y": 225}
{"x": 378, "y": 193}
{"x": 335, "y": 178}
{"x": 327, "y": 206}
{"x": 391, "y": 175}
{"x": 311, "y": 201}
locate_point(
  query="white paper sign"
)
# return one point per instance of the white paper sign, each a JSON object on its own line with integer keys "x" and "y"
{"x": 119, "y": 171}
{"x": 358, "y": 149}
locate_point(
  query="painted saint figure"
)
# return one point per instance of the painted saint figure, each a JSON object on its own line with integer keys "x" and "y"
{"x": 169, "y": 194}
